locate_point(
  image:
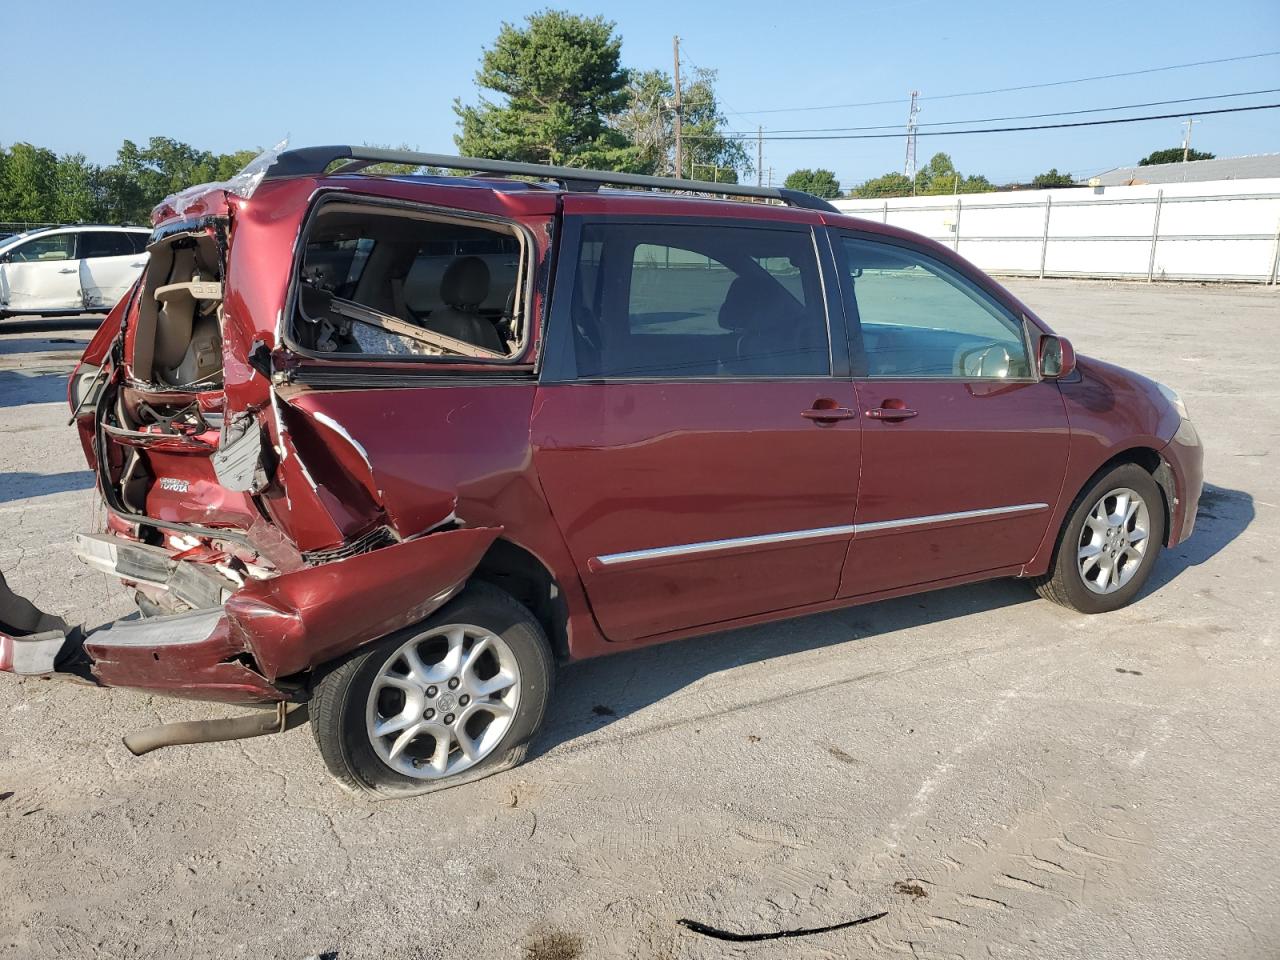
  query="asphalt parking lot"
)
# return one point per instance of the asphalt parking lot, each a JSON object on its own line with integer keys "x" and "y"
{"x": 996, "y": 775}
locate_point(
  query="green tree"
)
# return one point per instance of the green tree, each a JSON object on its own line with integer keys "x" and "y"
{"x": 162, "y": 167}
{"x": 646, "y": 121}
{"x": 940, "y": 176}
{"x": 1052, "y": 179}
{"x": 560, "y": 77}
{"x": 229, "y": 164}
{"x": 122, "y": 199}
{"x": 143, "y": 176}
{"x": 648, "y": 124}
{"x": 819, "y": 182}
{"x": 887, "y": 185}
{"x": 28, "y": 191}
{"x": 704, "y": 141}
{"x": 1172, "y": 155}
{"x": 38, "y": 186}
{"x": 392, "y": 169}
{"x": 77, "y": 197}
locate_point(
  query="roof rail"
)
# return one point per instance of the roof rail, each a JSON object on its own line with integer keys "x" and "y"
{"x": 313, "y": 161}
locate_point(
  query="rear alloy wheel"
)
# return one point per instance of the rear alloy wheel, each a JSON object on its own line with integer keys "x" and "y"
{"x": 445, "y": 702}
{"x": 442, "y": 701}
{"x": 1109, "y": 544}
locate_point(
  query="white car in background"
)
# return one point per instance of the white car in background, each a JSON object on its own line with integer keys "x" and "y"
{"x": 70, "y": 269}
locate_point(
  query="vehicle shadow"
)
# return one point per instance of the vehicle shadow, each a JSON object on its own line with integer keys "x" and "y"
{"x": 1224, "y": 514}
{"x": 39, "y": 324}
{"x": 19, "y": 389}
{"x": 71, "y": 346}
{"x": 23, "y": 486}
{"x": 593, "y": 694}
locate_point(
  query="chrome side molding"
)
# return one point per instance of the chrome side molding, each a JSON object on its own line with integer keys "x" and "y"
{"x": 789, "y": 536}
{"x": 711, "y": 546}
{"x": 948, "y": 517}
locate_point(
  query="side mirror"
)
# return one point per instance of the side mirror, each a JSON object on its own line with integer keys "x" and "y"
{"x": 1057, "y": 357}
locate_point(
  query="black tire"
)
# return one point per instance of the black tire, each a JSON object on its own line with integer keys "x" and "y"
{"x": 340, "y": 700}
{"x": 1065, "y": 583}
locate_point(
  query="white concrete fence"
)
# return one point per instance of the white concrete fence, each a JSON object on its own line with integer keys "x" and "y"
{"x": 1220, "y": 230}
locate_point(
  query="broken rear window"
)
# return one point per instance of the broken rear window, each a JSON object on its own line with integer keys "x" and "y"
{"x": 389, "y": 282}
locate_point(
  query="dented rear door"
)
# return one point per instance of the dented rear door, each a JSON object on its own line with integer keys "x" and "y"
{"x": 389, "y": 447}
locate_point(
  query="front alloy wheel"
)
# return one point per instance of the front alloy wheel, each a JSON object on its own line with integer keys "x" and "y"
{"x": 1109, "y": 542}
{"x": 447, "y": 701}
{"x": 1114, "y": 540}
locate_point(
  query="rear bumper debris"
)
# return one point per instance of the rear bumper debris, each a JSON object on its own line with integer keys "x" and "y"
{"x": 255, "y": 647}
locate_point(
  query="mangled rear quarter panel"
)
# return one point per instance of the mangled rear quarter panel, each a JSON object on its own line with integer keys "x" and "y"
{"x": 335, "y": 496}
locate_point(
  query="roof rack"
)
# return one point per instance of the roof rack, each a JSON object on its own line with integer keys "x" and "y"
{"x": 313, "y": 161}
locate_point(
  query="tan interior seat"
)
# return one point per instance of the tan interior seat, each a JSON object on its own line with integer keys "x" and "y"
{"x": 464, "y": 286}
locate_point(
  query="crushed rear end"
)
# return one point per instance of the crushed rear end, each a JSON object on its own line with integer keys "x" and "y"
{"x": 251, "y": 530}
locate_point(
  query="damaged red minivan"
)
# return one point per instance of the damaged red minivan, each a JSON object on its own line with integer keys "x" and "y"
{"x": 392, "y": 446}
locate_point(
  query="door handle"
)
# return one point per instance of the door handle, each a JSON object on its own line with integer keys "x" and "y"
{"x": 140, "y": 263}
{"x": 827, "y": 414}
{"x": 891, "y": 413}
{"x": 67, "y": 270}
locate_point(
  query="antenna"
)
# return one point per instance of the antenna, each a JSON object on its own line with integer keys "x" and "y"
{"x": 909, "y": 167}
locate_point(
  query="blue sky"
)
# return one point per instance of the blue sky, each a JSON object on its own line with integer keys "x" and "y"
{"x": 324, "y": 72}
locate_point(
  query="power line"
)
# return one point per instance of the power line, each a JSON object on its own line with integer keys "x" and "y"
{"x": 1023, "y": 116}
{"x": 1039, "y": 126}
{"x": 1026, "y": 86}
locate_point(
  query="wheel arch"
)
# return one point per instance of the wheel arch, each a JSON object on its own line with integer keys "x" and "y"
{"x": 1150, "y": 460}
{"x": 1144, "y": 456}
{"x": 518, "y": 572}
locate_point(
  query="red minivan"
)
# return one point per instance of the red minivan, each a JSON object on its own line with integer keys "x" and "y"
{"x": 391, "y": 446}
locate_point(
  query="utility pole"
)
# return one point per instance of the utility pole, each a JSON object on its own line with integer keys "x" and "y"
{"x": 675, "y": 47}
{"x": 909, "y": 167}
{"x": 1186, "y": 138}
{"x": 759, "y": 156}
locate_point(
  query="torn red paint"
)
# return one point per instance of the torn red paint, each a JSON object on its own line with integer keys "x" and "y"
{"x": 272, "y": 629}
{"x": 303, "y": 619}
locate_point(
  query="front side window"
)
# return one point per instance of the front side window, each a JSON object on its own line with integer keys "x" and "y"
{"x": 678, "y": 300}
{"x": 104, "y": 243}
{"x": 398, "y": 283}
{"x": 921, "y": 319}
{"x": 58, "y": 246}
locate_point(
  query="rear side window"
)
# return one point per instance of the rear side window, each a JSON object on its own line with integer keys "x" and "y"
{"x": 922, "y": 319}
{"x": 678, "y": 300}
{"x": 404, "y": 283}
{"x": 105, "y": 243}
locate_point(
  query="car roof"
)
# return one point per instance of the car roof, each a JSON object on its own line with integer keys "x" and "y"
{"x": 529, "y": 196}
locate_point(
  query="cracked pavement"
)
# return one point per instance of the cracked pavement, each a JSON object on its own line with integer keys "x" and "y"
{"x": 1003, "y": 777}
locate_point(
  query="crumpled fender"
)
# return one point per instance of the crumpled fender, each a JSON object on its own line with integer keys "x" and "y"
{"x": 311, "y": 616}
{"x": 285, "y": 625}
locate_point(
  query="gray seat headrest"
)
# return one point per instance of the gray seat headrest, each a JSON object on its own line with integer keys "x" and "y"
{"x": 752, "y": 307}
{"x": 465, "y": 283}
